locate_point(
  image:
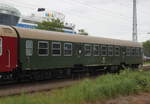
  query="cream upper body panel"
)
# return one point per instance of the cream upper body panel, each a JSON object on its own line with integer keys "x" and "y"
{"x": 7, "y": 31}
{"x": 59, "y": 36}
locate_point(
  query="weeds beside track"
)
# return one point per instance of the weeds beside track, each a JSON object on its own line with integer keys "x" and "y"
{"x": 104, "y": 87}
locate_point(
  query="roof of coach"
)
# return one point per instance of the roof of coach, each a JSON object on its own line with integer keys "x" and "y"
{"x": 57, "y": 36}
{"x": 7, "y": 31}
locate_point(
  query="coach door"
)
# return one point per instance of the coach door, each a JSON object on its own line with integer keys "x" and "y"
{"x": 8, "y": 60}
{"x": 79, "y": 52}
{"x": 2, "y": 58}
{"x": 123, "y": 54}
{"x": 11, "y": 52}
{"x": 8, "y": 49}
{"x": 4, "y": 55}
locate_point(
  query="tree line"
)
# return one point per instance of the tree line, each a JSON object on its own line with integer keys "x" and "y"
{"x": 146, "y": 48}
{"x": 56, "y": 25}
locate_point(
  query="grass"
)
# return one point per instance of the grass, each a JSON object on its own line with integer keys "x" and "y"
{"x": 104, "y": 87}
{"x": 146, "y": 62}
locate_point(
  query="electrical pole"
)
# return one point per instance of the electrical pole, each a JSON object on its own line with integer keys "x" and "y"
{"x": 134, "y": 34}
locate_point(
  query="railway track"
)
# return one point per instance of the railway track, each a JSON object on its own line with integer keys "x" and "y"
{"x": 15, "y": 88}
{"x": 19, "y": 88}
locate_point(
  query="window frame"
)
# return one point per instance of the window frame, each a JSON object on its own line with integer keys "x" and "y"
{"x": 136, "y": 51}
{"x": 29, "y": 48}
{"x": 133, "y": 51}
{"x": 86, "y": 50}
{"x": 96, "y": 50}
{"x": 43, "y": 48}
{"x": 118, "y": 51}
{"x": 1, "y": 46}
{"x": 110, "y": 46}
{"x": 128, "y": 51}
{"x": 141, "y": 51}
{"x": 65, "y": 49}
{"x": 100, "y": 50}
{"x": 55, "y": 49}
{"x": 103, "y": 50}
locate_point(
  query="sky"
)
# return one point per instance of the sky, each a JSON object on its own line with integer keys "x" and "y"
{"x": 101, "y": 18}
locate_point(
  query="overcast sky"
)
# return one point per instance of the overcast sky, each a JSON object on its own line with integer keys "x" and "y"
{"x": 103, "y": 18}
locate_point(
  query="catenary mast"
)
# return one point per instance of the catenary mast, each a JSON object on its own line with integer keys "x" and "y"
{"x": 134, "y": 34}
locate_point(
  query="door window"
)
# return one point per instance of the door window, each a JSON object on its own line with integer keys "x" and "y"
{"x": 29, "y": 47}
{"x": 0, "y": 46}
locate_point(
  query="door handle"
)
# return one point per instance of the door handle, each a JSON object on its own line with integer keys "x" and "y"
{"x": 8, "y": 53}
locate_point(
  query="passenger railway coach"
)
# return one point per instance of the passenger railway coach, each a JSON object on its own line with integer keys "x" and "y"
{"x": 36, "y": 53}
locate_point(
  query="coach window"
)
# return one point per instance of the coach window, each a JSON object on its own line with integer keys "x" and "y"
{"x": 137, "y": 51}
{"x": 141, "y": 51}
{"x": 128, "y": 51}
{"x": 133, "y": 51}
{"x": 100, "y": 50}
{"x": 104, "y": 50}
{"x": 117, "y": 51}
{"x": 29, "y": 47}
{"x": 87, "y": 49}
{"x": 110, "y": 50}
{"x": 67, "y": 49}
{"x": 43, "y": 48}
{"x": 96, "y": 50}
{"x": 56, "y": 49}
{"x": 0, "y": 46}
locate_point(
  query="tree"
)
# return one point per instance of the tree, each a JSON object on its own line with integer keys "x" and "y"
{"x": 146, "y": 47}
{"x": 53, "y": 25}
{"x": 82, "y": 32}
